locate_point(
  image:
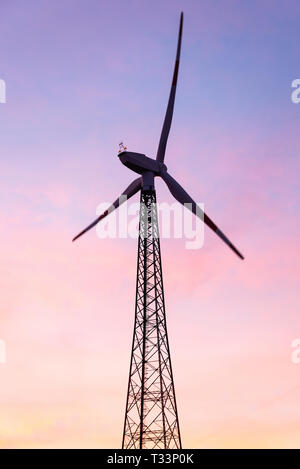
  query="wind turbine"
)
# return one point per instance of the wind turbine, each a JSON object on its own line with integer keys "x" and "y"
{"x": 151, "y": 418}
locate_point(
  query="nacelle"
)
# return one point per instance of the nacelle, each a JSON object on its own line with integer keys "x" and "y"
{"x": 140, "y": 163}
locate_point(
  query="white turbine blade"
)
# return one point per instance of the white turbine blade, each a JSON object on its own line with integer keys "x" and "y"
{"x": 184, "y": 198}
{"x": 132, "y": 189}
{"x": 169, "y": 112}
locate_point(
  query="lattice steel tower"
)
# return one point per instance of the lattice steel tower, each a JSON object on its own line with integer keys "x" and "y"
{"x": 151, "y": 419}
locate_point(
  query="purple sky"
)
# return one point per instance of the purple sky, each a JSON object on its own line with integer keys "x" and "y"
{"x": 80, "y": 77}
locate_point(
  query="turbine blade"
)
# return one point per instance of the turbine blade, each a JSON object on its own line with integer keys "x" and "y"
{"x": 132, "y": 189}
{"x": 184, "y": 198}
{"x": 169, "y": 112}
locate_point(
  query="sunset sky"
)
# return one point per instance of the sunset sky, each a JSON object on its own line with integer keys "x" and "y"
{"x": 80, "y": 77}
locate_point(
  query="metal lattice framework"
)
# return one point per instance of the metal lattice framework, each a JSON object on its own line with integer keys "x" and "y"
{"x": 151, "y": 419}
